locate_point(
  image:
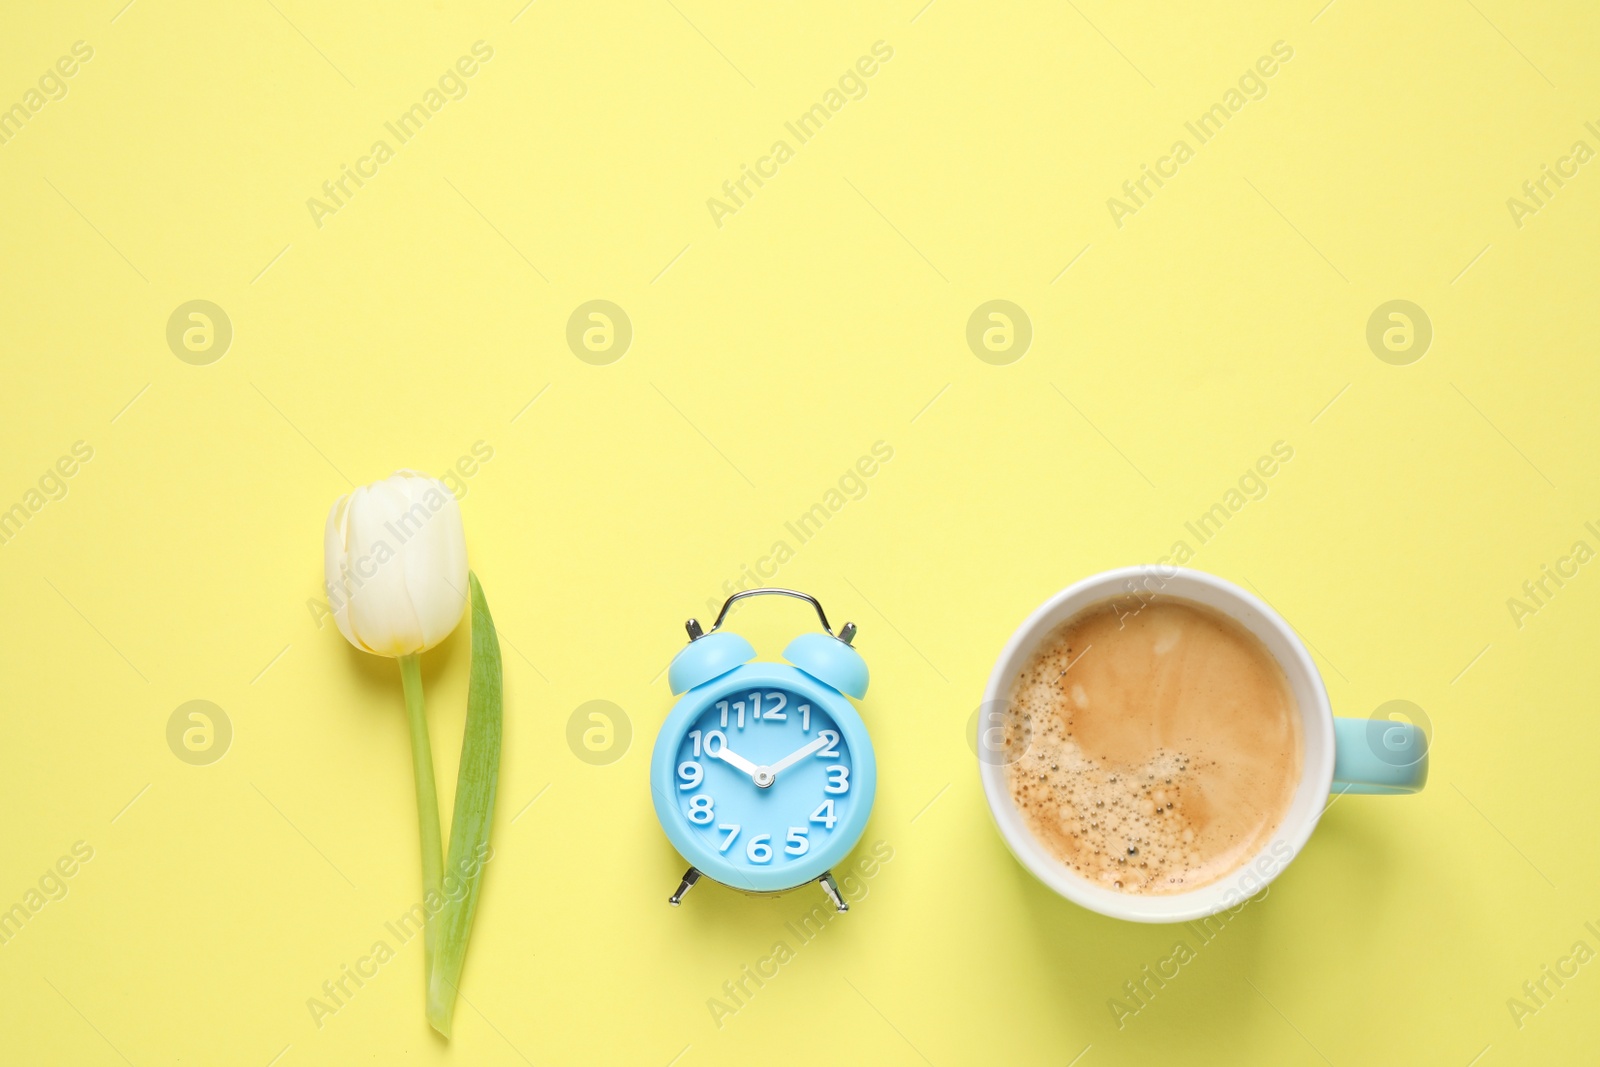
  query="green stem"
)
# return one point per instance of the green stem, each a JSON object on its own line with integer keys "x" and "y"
{"x": 427, "y": 815}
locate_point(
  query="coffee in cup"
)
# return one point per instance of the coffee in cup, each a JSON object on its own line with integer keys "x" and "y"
{"x": 1152, "y": 745}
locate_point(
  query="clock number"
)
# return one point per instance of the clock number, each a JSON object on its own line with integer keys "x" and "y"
{"x": 798, "y": 843}
{"x": 776, "y": 714}
{"x": 759, "y": 850}
{"x": 740, "y": 706}
{"x": 700, "y": 812}
{"x": 722, "y": 743}
{"x": 722, "y": 706}
{"x": 831, "y": 749}
{"x": 805, "y": 717}
{"x": 694, "y": 739}
{"x": 690, "y": 774}
{"x": 732, "y": 830}
{"x": 824, "y": 814}
{"x": 838, "y": 779}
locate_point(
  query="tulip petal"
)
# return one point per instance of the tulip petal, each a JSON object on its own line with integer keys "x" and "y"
{"x": 335, "y": 559}
{"x": 381, "y": 612}
{"x": 436, "y": 561}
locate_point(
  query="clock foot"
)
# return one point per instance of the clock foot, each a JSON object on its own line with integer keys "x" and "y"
{"x": 832, "y": 889}
{"x": 690, "y": 877}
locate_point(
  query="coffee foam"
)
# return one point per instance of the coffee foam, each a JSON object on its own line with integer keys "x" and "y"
{"x": 1153, "y": 745}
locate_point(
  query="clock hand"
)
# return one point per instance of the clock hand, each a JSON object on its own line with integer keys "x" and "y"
{"x": 727, "y": 755}
{"x": 799, "y": 754}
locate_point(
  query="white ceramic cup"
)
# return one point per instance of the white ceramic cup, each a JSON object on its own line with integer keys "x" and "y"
{"x": 1372, "y": 756}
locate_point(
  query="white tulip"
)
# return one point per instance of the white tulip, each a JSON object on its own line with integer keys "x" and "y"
{"x": 395, "y": 563}
{"x": 395, "y": 559}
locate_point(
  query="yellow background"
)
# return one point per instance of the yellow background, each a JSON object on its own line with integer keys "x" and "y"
{"x": 768, "y": 355}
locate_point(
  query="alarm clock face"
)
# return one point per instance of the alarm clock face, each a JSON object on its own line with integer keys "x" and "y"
{"x": 770, "y": 783}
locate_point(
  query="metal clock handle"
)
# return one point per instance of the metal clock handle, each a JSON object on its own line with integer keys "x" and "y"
{"x": 847, "y": 632}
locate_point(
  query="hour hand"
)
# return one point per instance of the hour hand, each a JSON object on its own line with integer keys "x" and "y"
{"x": 732, "y": 758}
{"x": 797, "y": 755}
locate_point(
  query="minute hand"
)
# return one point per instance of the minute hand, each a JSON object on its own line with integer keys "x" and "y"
{"x": 798, "y": 754}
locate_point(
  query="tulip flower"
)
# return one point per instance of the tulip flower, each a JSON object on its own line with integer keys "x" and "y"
{"x": 396, "y": 551}
{"x": 395, "y": 560}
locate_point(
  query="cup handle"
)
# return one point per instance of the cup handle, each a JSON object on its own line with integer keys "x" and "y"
{"x": 1378, "y": 756}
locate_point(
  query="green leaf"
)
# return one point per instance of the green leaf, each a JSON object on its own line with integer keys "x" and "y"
{"x": 473, "y": 816}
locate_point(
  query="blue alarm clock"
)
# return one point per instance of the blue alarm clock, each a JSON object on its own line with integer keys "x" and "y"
{"x": 763, "y": 774}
